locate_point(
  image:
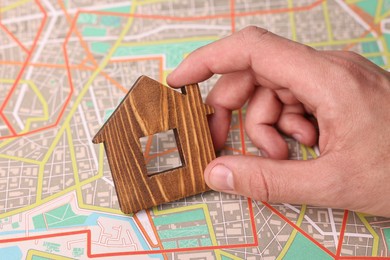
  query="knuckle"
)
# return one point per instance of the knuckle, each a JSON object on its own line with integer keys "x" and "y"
{"x": 349, "y": 68}
{"x": 259, "y": 185}
{"x": 251, "y": 32}
{"x": 302, "y": 48}
{"x": 353, "y": 55}
{"x": 215, "y": 98}
{"x": 359, "y": 80}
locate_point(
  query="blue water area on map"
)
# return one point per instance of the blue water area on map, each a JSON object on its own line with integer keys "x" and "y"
{"x": 14, "y": 232}
{"x": 156, "y": 256}
{"x": 11, "y": 253}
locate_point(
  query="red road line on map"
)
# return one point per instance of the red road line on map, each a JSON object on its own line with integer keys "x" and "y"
{"x": 66, "y": 58}
{"x": 173, "y": 250}
{"x": 136, "y": 59}
{"x": 62, "y": 234}
{"x": 18, "y": 77}
{"x": 13, "y": 37}
{"x": 158, "y": 17}
{"x": 150, "y": 157}
{"x": 155, "y": 232}
{"x": 282, "y": 10}
{"x": 79, "y": 36}
{"x": 367, "y": 18}
{"x": 136, "y": 219}
{"x": 148, "y": 146}
{"x": 242, "y": 132}
{"x": 69, "y": 97}
{"x": 159, "y": 244}
{"x": 351, "y": 45}
{"x": 253, "y": 223}
{"x": 7, "y": 123}
{"x": 154, "y": 228}
{"x": 299, "y": 229}
{"x": 27, "y": 133}
{"x": 362, "y": 257}
{"x": 84, "y": 61}
{"x": 232, "y": 15}
{"x": 341, "y": 236}
{"x": 113, "y": 81}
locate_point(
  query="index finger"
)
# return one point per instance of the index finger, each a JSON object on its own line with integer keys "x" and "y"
{"x": 284, "y": 63}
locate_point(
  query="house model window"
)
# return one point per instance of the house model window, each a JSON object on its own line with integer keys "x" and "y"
{"x": 148, "y": 109}
{"x": 162, "y": 152}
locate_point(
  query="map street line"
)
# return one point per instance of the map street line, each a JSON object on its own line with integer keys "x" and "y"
{"x": 327, "y": 20}
{"x": 292, "y": 21}
{"x": 298, "y": 229}
{"x": 333, "y": 225}
{"x": 372, "y": 231}
{"x": 13, "y": 5}
{"x": 13, "y": 37}
{"x": 342, "y": 234}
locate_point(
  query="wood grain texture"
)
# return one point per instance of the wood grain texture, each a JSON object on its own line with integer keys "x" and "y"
{"x": 147, "y": 109}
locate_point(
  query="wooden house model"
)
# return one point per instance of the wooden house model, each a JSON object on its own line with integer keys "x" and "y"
{"x": 150, "y": 108}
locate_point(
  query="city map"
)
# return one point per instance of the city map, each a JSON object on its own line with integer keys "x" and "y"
{"x": 65, "y": 65}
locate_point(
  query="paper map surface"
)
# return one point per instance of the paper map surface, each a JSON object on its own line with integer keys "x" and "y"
{"x": 66, "y": 65}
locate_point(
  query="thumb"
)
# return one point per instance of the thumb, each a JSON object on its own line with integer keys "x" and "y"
{"x": 270, "y": 180}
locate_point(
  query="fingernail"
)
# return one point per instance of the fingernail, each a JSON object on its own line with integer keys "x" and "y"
{"x": 297, "y": 137}
{"x": 221, "y": 177}
{"x": 264, "y": 153}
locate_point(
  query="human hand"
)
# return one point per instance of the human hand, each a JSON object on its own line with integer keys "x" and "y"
{"x": 284, "y": 80}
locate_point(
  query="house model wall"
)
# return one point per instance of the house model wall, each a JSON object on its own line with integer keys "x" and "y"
{"x": 147, "y": 109}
